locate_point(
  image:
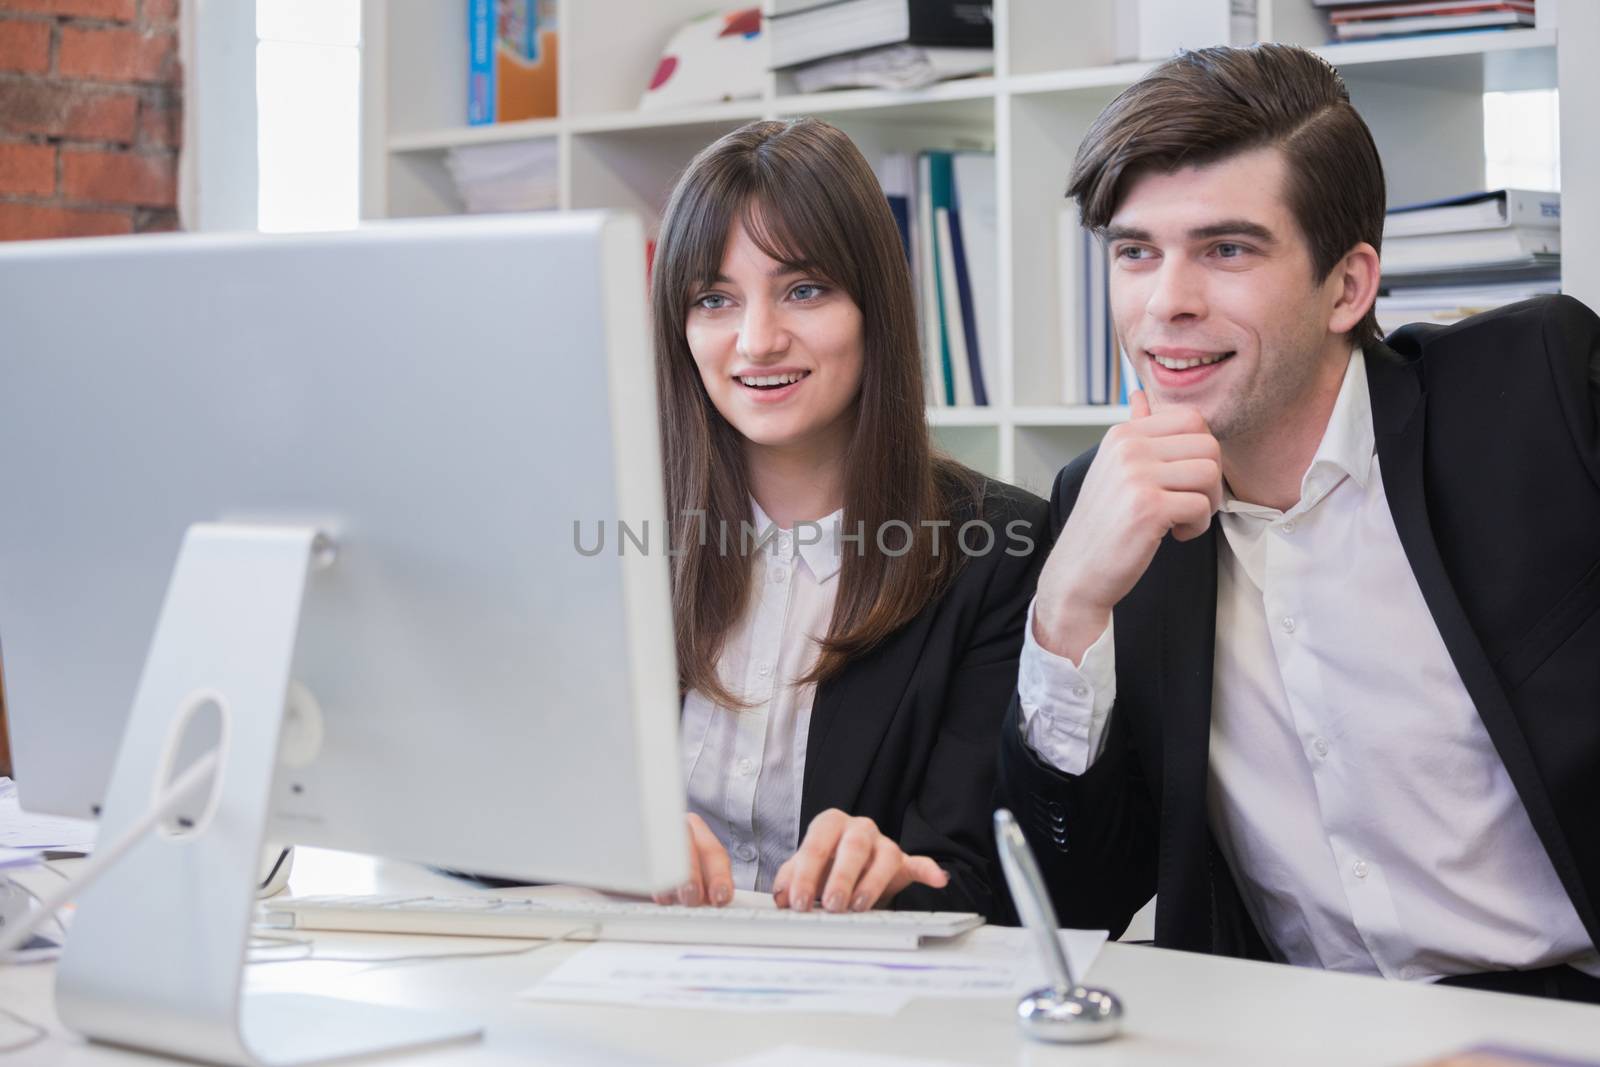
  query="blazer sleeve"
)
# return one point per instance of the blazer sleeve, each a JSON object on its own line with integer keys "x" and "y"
{"x": 1095, "y": 834}
{"x": 951, "y": 816}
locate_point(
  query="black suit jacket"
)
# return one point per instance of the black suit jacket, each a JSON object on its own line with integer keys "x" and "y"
{"x": 905, "y": 735}
{"x": 1488, "y": 436}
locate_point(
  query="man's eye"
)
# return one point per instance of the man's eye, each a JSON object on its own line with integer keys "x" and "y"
{"x": 1131, "y": 252}
{"x": 1230, "y": 251}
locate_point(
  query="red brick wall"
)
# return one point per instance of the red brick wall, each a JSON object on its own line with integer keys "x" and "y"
{"x": 90, "y": 117}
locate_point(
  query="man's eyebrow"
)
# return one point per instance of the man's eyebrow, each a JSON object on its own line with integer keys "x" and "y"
{"x": 1124, "y": 233}
{"x": 1225, "y": 228}
{"x": 1233, "y": 228}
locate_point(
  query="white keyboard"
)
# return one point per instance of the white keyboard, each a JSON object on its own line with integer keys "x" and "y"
{"x": 606, "y": 920}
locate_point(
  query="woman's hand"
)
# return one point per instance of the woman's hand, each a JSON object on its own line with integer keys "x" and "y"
{"x": 710, "y": 870}
{"x": 850, "y": 865}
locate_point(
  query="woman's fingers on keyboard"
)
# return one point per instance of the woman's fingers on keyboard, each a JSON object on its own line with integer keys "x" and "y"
{"x": 851, "y": 858}
{"x": 887, "y": 860}
{"x": 716, "y": 869}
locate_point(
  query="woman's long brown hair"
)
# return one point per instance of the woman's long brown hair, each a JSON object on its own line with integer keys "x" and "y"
{"x": 809, "y": 200}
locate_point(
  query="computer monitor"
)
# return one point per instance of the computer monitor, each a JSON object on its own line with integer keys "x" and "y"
{"x": 462, "y": 407}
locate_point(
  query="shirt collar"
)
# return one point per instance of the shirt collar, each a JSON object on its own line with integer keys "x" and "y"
{"x": 1347, "y": 445}
{"x": 817, "y": 543}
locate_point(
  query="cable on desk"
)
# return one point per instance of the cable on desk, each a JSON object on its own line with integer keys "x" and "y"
{"x": 310, "y": 944}
{"x": 36, "y": 1034}
{"x": 104, "y": 858}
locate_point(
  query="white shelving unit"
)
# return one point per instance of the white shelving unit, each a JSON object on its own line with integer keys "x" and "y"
{"x": 1420, "y": 96}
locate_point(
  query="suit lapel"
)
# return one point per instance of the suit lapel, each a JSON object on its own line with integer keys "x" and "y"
{"x": 1399, "y": 417}
{"x": 849, "y": 718}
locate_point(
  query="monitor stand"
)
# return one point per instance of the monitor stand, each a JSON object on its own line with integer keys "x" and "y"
{"x": 156, "y": 956}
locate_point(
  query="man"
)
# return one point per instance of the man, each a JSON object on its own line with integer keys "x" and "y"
{"x": 1316, "y": 655}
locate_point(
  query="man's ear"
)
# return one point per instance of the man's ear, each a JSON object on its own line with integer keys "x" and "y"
{"x": 1354, "y": 285}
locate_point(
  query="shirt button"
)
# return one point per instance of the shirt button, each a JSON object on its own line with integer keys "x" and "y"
{"x": 1080, "y": 691}
{"x": 1359, "y": 868}
{"x": 1321, "y": 746}
{"x": 745, "y": 767}
{"x": 745, "y": 853}
{"x": 764, "y": 670}
{"x": 779, "y": 576}
{"x": 1288, "y": 624}
{"x": 1288, "y": 527}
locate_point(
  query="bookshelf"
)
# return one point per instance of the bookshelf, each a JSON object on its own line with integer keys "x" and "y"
{"x": 1054, "y": 72}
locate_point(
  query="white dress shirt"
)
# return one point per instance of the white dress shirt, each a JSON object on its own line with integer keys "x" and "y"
{"x": 1353, "y": 788}
{"x": 745, "y": 767}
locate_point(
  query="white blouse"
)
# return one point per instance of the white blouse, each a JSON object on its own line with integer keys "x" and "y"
{"x": 744, "y": 767}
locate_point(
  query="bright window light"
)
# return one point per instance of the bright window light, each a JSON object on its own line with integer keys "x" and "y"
{"x": 308, "y": 95}
{"x": 1522, "y": 140}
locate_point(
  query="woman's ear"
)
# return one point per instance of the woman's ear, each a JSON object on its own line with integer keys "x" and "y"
{"x": 1354, "y": 281}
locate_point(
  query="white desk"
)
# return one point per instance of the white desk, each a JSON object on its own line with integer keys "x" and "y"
{"x": 1182, "y": 1008}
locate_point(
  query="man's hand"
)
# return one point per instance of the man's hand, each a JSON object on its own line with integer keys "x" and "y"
{"x": 850, "y": 865}
{"x": 1153, "y": 475}
{"x": 710, "y": 870}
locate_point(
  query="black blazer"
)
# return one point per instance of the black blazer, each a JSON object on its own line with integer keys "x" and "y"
{"x": 1488, "y": 435}
{"x": 905, "y": 735}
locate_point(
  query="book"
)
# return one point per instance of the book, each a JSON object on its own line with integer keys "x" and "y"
{"x": 1476, "y": 211}
{"x": 1451, "y": 303}
{"x": 1069, "y": 286}
{"x": 897, "y": 175}
{"x": 1542, "y": 268}
{"x": 927, "y": 283}
{"x": 1097, "y": 315}
{"x": 895, "y": 66}
{"x": 800, "y": 35}
{"x": 1155, "y": 29}
{"x": 977, "y": 204}
{"x": 951, "y": 312}
{"x": 961, "y": 271}
{"x": 1430, "y": 7}
{"x": 1471, "y": 248}
{"x": 511, "y": 73}
{"x": 1431, "y": 24}
{"x": 937, "y": 194}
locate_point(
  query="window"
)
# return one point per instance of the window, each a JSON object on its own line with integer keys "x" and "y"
{"x": 1522, "y": 140}
{"x": 308, "y": 95}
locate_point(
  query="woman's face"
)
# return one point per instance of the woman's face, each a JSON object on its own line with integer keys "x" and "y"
{"x": 779, "y": 351}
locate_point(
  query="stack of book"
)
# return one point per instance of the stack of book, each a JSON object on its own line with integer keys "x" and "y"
{"x": 514, "y": 176}
{"x": 1092, "y": 370}
{"x": 1448, "y": 259}
{"x": 1357, "y": 20}
{"x": 945, "y": 205}
{"x": 892, "y": 44}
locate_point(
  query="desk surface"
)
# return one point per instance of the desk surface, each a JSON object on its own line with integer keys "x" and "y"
{"x": 1182, "y": 1008}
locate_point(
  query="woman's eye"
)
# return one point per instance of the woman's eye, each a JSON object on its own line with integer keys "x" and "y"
{"x": 806, "y": 292}
{"x": 712, "y": 302}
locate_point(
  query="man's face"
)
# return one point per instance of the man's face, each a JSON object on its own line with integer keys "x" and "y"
{"x": 1213, "y": 296}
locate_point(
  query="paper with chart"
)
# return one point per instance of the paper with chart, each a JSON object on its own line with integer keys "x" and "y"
{"x": 989, "y": 962}
{"x": 811, "y": 1056}
{"x": 24, "y": 830}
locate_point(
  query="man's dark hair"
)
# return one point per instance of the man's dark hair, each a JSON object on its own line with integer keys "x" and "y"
{"x": 1202, "y": 107}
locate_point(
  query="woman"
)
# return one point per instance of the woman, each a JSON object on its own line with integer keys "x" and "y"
{"x": 844, "y": 678}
